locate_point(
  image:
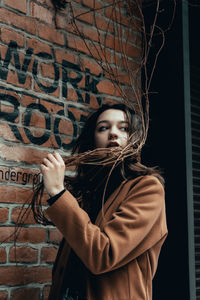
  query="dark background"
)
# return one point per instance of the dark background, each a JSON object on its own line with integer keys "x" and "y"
{"x": 165, "y": 148}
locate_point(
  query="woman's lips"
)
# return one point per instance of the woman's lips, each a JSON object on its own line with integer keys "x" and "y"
{"x": 112, "y": 144}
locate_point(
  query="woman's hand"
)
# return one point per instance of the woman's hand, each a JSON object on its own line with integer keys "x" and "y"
{"x": 53, "y": 171}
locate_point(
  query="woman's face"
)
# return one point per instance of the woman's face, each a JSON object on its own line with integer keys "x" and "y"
{"x": 111, "y": 129}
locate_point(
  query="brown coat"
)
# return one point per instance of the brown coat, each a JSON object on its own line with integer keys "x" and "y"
{"x": 122, "y": 248}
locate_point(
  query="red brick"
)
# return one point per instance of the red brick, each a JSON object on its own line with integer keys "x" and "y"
{"x": 93, "y": 4}
{"x": 48, "y": 254}
{"x": 98, "y": 52}
{"x": 8, "y": 34}
{"x": 24, "y": 136}
{"x": 55, "y": 236}
{"x": 65, "y": 127}
{"x": 3, "y": 214}
{"x": 77, "y": 112}
{"x": 50, "y": 34}
{"x": 64, "y": 140}
{"x": 46, "y": 292}
{"x": 93, "y": 101}
{"x": 50, "y": 143}
{"x": 130, "y": 94}
{"x": 105, "y": 87}
{"x": 114, "y": 43}
{"x": 136, "y": 24}
{"x": 133, "y": 51}
{"x": 65, "y": 55}
{"x": 108, "y": 1}
{"x": 37, "y": 119}
{"x": 51, "y": 107}
{"x": 26, "y": 100}
{"x": 7, "y": 134}
{"x": 2, "y": 257}
{"x": 41, "y": 13}
{"x": 72, "y": 95}
{"x": 132, "y": 37}
{"x": 119, "y": 76}
{"x": 18, "y": 275}
{"x": 26, "y": 213}
{"x": 108, "y": 100}
{"x": 18, "y": 5}
{"x": 135, "y": 8}
{"x": 63, "y": 23}
{"x": 6, "y": 234}
{"x": 22, "y": 154}
{"x": 78, "y": 44}
{"x": 31, "y": 235}
{"x": 22, "y": 22}
{"x": 22, "y": 59}
{"x": 3, "y": 51}
{"x": 127, "y": 64}
{"x": 82, "y": 14}
{"x": 12, "y": 93}
{"x": 38, "y": 45}
{"x": 46, "y": 3}
{"x": 88, "y": 32}
{"x": 103, "y": 24}
{"x": 90, "y": 64}
{"x": 73, "y": 74}
{"x": 3, "y": 295}
{"x": 23, "y": 255}
{"x": 14, "y": 194}
{"x": 22, "y": 293}
{"x": 47, "y": 70}
{"x": 119, "y": 92}
{"x": 117, "y": 16}
{"x": 8, "y": 109}
{"x": 56, "y": 93}
{"x": 13, "y": 79}
{"x": 122, "y": 47}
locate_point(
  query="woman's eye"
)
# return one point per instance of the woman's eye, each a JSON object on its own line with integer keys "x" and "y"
{"x": 102, "y": 128}
{"x": 124, "y": 128}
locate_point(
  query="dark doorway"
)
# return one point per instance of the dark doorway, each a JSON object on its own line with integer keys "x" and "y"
{"x": 166, "y": 148}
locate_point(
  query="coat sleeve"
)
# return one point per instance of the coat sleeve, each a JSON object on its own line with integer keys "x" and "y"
{"x": 134, "y": 227}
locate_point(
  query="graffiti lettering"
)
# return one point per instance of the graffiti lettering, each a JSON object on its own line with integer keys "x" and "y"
{"x": 42, "y": 139}
{"x": 21, "y": 70}
{"x": 54, "y": 86}
{"x": 70, "y": 76}
{"x": 90, "y": 82}
{"x": 42, "y": 110}
{"x": 19, "y": 177}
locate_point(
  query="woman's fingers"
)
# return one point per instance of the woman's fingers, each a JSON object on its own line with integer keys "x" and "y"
{"x": 53, "y": 160}
{"x": 53, "y": 169}
{"x": 58, "y": 157}
{"x": 46, "y": 162}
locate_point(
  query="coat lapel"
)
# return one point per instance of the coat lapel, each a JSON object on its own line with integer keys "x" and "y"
{"x": 114, "y": 200}
{"x": 103, "y": 212}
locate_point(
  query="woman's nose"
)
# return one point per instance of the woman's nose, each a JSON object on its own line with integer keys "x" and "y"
{"x": 113, "y": 134}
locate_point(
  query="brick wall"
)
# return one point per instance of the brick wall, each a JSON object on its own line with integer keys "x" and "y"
{"x": 49, "y": 81}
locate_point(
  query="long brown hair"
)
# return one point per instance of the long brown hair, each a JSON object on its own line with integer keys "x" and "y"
{"x": 96, "y": 167}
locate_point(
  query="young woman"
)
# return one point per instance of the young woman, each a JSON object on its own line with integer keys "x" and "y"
{"x": 111, "y": 214}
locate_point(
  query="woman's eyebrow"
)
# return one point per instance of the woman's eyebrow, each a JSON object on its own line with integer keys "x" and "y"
{"x": 107, "y": 121}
